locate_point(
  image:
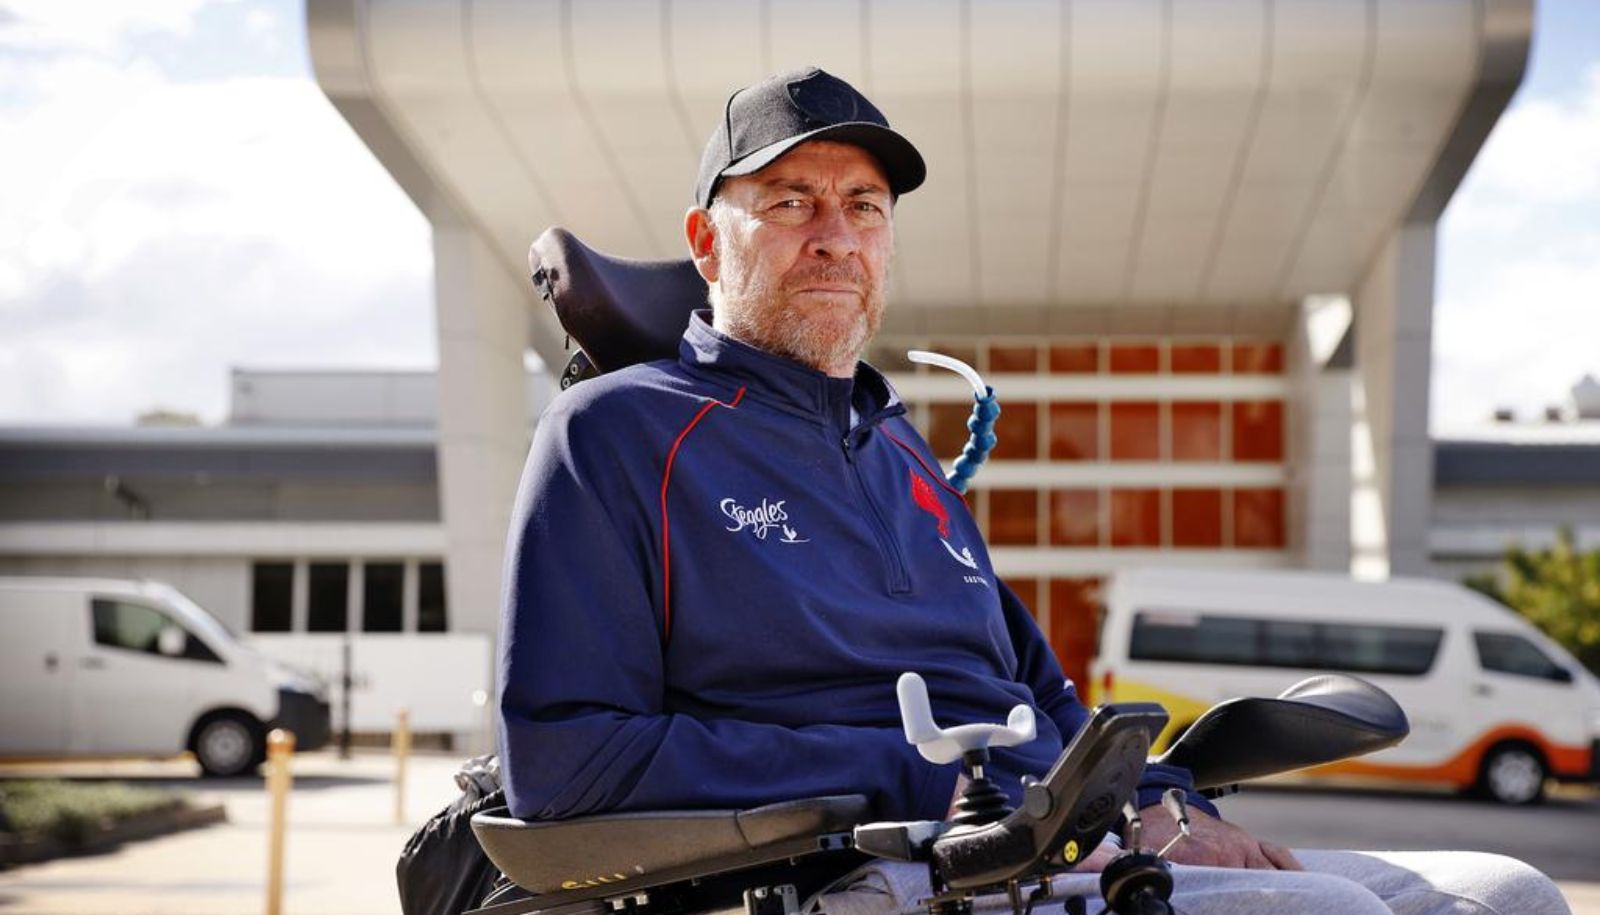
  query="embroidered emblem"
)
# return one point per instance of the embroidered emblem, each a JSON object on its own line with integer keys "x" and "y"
{"x": 761, "y": 520}
{"x": 922, "y": 493}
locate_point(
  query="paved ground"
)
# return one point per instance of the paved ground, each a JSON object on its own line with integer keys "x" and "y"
{"x": 343, "y": 844}
{"x": 341, "y": 847}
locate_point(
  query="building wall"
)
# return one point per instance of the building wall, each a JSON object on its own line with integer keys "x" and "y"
{"x": 1113, "y": 451}
{"x": 206, "y": 499}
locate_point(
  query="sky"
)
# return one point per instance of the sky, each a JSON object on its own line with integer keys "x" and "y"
{"x": 178, "y": 199}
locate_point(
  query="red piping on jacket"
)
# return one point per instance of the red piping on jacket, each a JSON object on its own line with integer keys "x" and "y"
{"x": 666, "y": 541}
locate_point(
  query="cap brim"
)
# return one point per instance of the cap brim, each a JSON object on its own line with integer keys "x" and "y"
{"x": 901, "y": 162}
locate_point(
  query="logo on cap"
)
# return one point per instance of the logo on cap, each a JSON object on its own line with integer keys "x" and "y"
{"x": 825, "y": 99}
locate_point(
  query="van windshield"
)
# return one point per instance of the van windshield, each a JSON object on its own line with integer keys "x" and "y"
{"x": 209, "y": 627}
{"x": 1202, "y": 638}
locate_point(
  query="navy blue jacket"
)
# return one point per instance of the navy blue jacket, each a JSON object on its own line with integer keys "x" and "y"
{"x": 716, "y": 578}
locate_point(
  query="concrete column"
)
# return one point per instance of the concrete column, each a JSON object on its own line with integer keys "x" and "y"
{"x": 1319, "y": 434}
{"x": 482, "y": 314}
{"x": 1392, "y": 460}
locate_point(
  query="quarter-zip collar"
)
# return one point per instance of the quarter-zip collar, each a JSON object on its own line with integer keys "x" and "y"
{"x": 786, "y": 384}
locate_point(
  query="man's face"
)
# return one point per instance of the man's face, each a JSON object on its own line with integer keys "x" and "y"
{"x": 798, "y": 254}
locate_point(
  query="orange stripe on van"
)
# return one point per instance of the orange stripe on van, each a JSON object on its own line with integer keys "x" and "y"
{"x": 1461, "y": 770}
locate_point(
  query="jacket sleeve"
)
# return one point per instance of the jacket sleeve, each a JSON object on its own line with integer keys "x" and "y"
{"x": 582, "y": 722}
{"x": 1057, "y": 697}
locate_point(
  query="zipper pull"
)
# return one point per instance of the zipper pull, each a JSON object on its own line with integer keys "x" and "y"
{"x": 848, "y": 454}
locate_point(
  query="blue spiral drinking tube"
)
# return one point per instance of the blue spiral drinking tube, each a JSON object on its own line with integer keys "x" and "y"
{"x": 985, "y": 410}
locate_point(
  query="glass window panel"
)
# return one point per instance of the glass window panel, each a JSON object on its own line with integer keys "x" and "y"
{"x": 1217, "y": 639}
{"x": 1258, "y": 430}
{"x": 1135, "y": 431}
{"x": 430, "y": 598}
{"x": 1013, "y": 358}
{"x": 1017, "y": 431}
{"x": 1014, "y": 517}
{"x": 1075, "y": 359}
{"x": 1188, "y": 638}
{"x": 1512, "y": 654}
{"x": 1135, "y": 359}
{"x": 1074, "y": 432}
{"x": 1135, "y": 517}
{"x": 328, "y": 609}
{"x": 271, "y": 596}
{"x": 1288, "y": 644}
{"x": 1196, "y": 359}
{"x": 1378, "y": 649}
{"x": 947, "y": 428}
{"x": 383, "y": 588}
{"x": 1075, "y": 517}
{"x": 137, "y": 627}
{"x": 1258, "y": 518}
{"x": 1196, "y": 431}
{"x": 134, "y": 627}
{"x": 1258, "y": 358}
{"x": 1197, "y": 517}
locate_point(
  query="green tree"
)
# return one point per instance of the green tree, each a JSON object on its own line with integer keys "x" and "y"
{"x": 1557, "y": 589}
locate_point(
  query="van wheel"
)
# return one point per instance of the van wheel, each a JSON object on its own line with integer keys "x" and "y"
{"x": 228, "y": 744}
{"x": 1512, "y": 773}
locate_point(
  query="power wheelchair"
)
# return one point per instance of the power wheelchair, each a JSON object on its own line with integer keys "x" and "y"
{"x": 768, "y": 860}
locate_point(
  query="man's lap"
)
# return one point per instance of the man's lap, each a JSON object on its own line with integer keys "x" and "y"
{"x": 1342, "y": 882}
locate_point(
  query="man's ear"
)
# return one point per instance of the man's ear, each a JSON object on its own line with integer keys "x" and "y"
{"x": 701, "y": 233}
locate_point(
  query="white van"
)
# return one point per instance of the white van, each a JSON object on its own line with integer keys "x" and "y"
{"x": 95, "y": 667}
{"x": 1494, "y": 705}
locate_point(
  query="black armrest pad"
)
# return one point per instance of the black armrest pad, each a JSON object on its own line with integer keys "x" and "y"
{"x": 619, "y": 851}
{"x": 1318, "y": 720}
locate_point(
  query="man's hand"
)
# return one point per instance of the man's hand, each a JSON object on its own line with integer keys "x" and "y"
{"x": 1212, "y": 842}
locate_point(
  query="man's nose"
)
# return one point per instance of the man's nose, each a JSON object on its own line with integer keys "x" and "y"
{"x": 833, "y": 236}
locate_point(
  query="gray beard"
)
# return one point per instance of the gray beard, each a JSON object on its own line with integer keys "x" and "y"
{"x": 789, "y": 334}
{"x": 763, "y": 317}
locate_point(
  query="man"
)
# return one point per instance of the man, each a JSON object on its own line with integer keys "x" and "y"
{"x": 721, "y": 564}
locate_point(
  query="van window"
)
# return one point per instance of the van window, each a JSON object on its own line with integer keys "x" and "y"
{"x": 137, "y": 627}
{"x": 1192, "y": 638}
{"x": 1505, "y": 653}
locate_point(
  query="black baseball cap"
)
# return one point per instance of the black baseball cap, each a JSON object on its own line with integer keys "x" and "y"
{"x": 764, "y": 121}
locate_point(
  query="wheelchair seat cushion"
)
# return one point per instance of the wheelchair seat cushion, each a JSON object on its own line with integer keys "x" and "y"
{"x": 611, "y": 854}
{"x": 619, "y": 311}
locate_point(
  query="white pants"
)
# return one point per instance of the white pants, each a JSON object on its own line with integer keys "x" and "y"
{"x": 1333, "y": 883}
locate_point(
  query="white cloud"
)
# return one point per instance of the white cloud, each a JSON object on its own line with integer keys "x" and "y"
{"x": 1517, "y": 321}
{"x": 154, "y": 234}
{"x": 93, "y": 25}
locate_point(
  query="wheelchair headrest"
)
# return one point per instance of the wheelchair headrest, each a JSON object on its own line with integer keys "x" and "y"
{"x": 618, "y": 311}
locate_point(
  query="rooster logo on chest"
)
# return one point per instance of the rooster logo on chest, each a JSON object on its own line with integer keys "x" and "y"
{"x": 922, "y": 493}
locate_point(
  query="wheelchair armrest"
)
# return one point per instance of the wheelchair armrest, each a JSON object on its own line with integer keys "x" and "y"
{"x": 612, "y": 854}
{"x": 1319, "y": 720}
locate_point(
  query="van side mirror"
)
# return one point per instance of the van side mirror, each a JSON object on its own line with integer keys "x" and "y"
{"x": 1561, "y": 675}
{"x": 172, "y": 641}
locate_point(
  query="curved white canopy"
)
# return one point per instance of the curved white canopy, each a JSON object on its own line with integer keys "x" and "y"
{"x": 1200, "y": 164}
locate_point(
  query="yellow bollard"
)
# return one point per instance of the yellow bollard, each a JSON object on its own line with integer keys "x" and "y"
{"x": 280, "y": 746}
{"x": 402, "y": 750}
